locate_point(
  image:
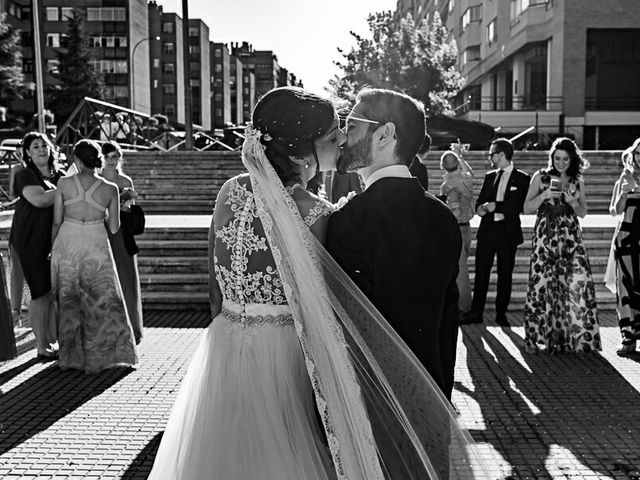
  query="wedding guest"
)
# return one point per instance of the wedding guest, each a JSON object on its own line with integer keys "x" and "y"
{"x": 30, "y": 236}
{"x": 499, "y": 234}
{"x": 560, "y": 310}
{"x": 457, "y": 191}
{"x": 124, "y": 258}
{"x": 94, "y": 329}
{"x": 7, "y": 337}
{"x": 625, "y": 201}
{"x": 418, "y": 166}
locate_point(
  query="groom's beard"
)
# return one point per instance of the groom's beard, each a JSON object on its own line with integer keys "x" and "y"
{"x": 356, "y": 156}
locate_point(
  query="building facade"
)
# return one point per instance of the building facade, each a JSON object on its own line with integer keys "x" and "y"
{"x": 569, "y": 67}
{"x": 220, "y": 84}
{"x": 117, "y": 30}
{"x": 200, "y": 73}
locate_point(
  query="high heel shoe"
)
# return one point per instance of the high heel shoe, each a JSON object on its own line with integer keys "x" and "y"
{"x": 625, "y": 349}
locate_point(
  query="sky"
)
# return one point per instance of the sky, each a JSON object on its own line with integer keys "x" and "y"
{"x": 304, "y": 34}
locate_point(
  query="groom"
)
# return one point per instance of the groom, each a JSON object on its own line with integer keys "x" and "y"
{"x": 398, "y": 243}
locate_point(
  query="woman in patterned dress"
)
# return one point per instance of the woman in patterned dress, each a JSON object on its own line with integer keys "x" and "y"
{"x": 625, "y": 201}
{"x": 560, "y": 310}
{"x": 94, "y": 331}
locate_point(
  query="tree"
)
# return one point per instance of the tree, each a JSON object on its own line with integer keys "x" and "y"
{"x": 417, "y": 60}
{"x": 11, "y": 76}
{"x": 75, "y": 77}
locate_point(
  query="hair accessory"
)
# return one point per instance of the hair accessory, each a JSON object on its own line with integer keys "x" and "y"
{"x": 266, "y": 137}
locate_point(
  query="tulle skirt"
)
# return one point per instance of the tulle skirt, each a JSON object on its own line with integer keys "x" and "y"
{"x": 245, "y": 409}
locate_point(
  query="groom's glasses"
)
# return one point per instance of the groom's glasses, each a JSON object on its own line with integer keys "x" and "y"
{"x": 359, "y": 119}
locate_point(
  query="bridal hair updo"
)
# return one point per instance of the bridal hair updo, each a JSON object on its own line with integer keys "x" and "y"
{"x": 291, "y": 120}
{"x": 88, "y": 152}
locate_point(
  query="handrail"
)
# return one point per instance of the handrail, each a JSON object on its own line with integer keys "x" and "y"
{"x": 522, "y": 133}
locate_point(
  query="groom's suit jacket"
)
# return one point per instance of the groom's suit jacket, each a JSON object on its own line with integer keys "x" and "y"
{"x": 401, "y": 247}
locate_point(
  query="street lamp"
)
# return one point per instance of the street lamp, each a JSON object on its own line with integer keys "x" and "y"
{"x": 133, "y": 63}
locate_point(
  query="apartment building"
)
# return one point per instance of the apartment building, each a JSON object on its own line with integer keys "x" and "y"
{"x": 117, "y": 30}
{"x": 220, "y": 84}
{"x": 200, "y": 73}
{"x": 569, "y": 67}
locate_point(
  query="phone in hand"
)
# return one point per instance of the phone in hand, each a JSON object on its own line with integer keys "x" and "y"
{"x": 555, "y": 185}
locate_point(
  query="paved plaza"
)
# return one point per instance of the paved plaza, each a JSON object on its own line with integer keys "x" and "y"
{"x": 533, "y": 416}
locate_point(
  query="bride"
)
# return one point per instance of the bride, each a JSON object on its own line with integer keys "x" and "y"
{"x": 298, "y": 376}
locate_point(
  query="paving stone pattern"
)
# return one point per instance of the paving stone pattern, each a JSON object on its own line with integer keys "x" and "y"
{"x": 533, "y": 416}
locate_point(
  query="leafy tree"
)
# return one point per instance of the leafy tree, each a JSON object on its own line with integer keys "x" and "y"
{"x": 75, "y": 77}
{"x": 11, "y": 76}
{"x": 400, "y": 55}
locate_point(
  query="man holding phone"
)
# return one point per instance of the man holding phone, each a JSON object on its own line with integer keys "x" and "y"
{"x": 499, "y": 204}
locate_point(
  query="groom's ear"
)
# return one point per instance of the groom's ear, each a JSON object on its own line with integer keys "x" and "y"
{"x": 385, "y": 134}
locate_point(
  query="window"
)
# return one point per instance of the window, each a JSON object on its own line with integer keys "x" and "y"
{"x": 472, "y": 14}
{"x": 111, "y": 42}
{"x": 66, "y": 13}
{"x": 491, "y": 32}
{"x": 27, "y": 66}
{"x": 52, "y": 14}
{"x": 53, "y": 40}
{"x": 52, "y": 66}
{"x": 156, "y": 63}
{"x": 194, "y": 49}
{"x": 169, "y": 68}
{"x": 218, "y": 112}
{"x": 217, "y": 68}
{"x": 217, "y": 53}
{"x": 106, "y": 14}
{"x": 194, "y": 82}
{"x": 155, "y": 84}
{"x": 169, "y": 88}
{"x": 218, "y": 97}
{"x": 194, "y": 32}
{"x": 25, "y": 13}
{"x": 167, "y": 27}
{"x": 121, "y": 91}
{"x": 168, "y": 47}
{"x": 110, "y": 66}
{"x": 471, "y": 54}
{"x": 108, "y": 92}
{"x": 194, "y": 67}
{"x": 170, "y": 109}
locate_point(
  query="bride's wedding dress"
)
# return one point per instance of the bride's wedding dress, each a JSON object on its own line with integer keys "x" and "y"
{"x": 245, "y": 409}
{"x": 299, "y": 377}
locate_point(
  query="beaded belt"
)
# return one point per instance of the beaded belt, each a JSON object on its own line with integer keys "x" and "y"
{"x": 83, "y": 222}
{"x": 255, "y": 320}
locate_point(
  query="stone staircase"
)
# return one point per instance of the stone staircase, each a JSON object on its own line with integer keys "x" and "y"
{"x": 173, "y": 257}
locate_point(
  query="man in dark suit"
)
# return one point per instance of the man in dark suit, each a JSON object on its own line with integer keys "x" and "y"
{"x": 499, "y": 204}
{"x": 397, "y": 242}
{"x": 418, "y": 167}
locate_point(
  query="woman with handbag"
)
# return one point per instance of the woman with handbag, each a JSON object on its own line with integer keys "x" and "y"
{"x": 123, "y": 244}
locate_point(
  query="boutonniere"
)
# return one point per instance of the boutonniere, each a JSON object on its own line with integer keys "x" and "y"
{"x": 342, "y": 201}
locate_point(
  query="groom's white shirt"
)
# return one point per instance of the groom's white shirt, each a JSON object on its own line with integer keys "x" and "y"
{"x": 392, "y": 171}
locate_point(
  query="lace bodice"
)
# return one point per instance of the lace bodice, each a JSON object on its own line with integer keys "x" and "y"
{"x": 245, "y": 268}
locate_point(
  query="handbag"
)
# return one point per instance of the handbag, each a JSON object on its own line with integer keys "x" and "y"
{"x": 133, "y": 221}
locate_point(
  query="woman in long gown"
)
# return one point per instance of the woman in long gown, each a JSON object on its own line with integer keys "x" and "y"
{"x": 625, "y": 201}
{"x": 93, "y": 330}
{"x": 126, "y": 261}
{"x": 275, "y": 350}
{"x": 30, "y": 237}
{"x": 560, "y": 311}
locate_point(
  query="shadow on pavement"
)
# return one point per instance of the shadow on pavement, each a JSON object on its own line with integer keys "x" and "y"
{"x": 176, "y": 319}
{"x": 141, "y": 466}
{"x": 46, "y": 397}
{"x": 543, "y": 409}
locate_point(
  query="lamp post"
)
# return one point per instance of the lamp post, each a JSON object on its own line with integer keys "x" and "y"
{"x": 133, "y": 63}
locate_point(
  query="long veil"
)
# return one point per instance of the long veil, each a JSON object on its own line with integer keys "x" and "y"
{"x": 384, "y": 416}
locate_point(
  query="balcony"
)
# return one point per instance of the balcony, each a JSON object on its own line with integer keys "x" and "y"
{"x": 507, "y": 104}
{"x": 614, "y": 104}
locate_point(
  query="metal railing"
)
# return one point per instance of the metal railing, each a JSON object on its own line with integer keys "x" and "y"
{"x": 507, "y": 104}
{"x": 133, "y": 130}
